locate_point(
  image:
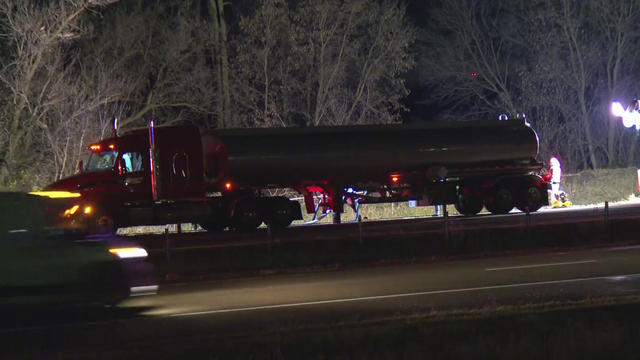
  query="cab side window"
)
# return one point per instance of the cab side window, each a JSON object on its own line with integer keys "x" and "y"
{"x": 132, "y": 162}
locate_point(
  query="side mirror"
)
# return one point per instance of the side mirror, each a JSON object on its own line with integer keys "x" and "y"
{"x": 80, "y": 167}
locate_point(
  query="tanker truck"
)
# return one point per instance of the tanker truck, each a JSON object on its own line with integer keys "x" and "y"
{"x": 220, "y": 178}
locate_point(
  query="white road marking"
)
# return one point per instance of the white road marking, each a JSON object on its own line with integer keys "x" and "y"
{"x": 630, "y": 247}
{"x": 540, "y": 265}
{"x": 391, "y": 296}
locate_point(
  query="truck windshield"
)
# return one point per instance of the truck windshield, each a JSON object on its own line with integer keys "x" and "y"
{"x": 101, "y": 161}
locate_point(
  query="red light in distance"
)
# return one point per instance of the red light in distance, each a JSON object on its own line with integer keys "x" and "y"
{"x": 112, "y": 146}
{"x": 395, "y": 179}
{"x": 227, "y": 186}
{"x": 95, "y": 147}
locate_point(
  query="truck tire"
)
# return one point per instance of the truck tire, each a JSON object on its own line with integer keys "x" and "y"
{"x": 500, "y": 200}
{"x": 530, "y": 197}
{"x": 468, "y": 202}
{"x": 279, "y": 213}
{"x": 104, "y": 224}
{"x": 247, "y": 215}
{"x": 212, "y": 225}
{"x": 218, "y": 219}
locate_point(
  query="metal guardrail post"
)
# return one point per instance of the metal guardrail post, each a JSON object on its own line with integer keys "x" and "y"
{"x": 167, "y": 244}
{"x": 527, "y": 215}
{"x": 269, "y": 241}
{"x": 360, "y": 228}
{"x": 445, "y": 213}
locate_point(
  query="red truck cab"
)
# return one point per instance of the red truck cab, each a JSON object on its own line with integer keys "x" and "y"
{"x": 115, "y": 184}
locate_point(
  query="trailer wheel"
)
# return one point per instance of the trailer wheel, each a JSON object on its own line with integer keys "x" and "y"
{"x": 247, "y": 215}
{"x": 500, "y": 200}
{"x": 468, "y": 202}
{"x": 530, "y": 197}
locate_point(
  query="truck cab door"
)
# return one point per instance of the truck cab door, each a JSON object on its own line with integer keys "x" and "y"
{"x": 135, "y": 176}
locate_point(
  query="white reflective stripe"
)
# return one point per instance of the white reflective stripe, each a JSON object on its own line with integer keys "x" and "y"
{"x": 540, "y": 265}
{"x": 18, "y": 231}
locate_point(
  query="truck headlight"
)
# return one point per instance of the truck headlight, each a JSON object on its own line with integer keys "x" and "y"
{"x": 129, "y": 252}
{"x": 71, "y": 211}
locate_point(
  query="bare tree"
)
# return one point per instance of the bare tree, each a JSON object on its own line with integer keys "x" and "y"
{"x": 164, "y": 51}
{"x": 220, "y": 53}
{"x": 322, "y": 63}
{"x": 562, "y": 63}
{"x": 265, "y": 66}
{"x": 616, "y": 23}
{"x": 357, "y": 51}
{"x": 471, "y": 56}
{"x": 37, "y": 67}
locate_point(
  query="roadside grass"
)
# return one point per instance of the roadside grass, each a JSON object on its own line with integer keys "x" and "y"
{"x": 597, "y": 186}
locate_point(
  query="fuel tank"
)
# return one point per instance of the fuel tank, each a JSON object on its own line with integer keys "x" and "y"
{"x": 350, "y": 154}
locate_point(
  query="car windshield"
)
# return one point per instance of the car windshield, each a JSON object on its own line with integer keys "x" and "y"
{"x": 101, "y": 161}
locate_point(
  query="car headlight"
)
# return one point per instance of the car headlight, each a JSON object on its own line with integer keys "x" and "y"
{"x": 129, "y": 252}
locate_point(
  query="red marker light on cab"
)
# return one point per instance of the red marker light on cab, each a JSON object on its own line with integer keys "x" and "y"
{"x": 95, "y": 147}
{"x": 112, "y": 146}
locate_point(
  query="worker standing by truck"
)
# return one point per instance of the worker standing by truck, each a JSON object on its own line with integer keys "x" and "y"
{"x": 558, "y": 196}
{"x": 556, "y": 175}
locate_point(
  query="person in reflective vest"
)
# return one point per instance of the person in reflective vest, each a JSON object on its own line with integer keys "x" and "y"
{"x": 556, "y": 175}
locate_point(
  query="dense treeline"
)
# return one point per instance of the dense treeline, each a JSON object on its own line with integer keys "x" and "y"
{"x": 69, "y": 66}
{"x": 561, "y": 62}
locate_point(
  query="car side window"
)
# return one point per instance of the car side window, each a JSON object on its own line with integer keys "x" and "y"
{"x": 132, "y": 161}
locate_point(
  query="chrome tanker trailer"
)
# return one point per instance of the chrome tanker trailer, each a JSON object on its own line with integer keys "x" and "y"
{"x": 463, "y": 163}
{"x": 217, "y": 177}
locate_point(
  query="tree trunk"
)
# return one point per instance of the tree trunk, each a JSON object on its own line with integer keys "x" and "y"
{"x": 216, "y": 12}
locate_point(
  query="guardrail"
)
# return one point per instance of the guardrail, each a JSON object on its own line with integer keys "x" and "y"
{"x": 366, "y": 241}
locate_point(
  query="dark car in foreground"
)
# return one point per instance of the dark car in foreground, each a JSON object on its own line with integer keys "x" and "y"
{"x": 44, "y": 260}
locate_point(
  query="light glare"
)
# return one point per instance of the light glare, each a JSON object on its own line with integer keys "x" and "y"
{"x": 128, "y": 253}
{"x": 629, "y": 118}
{"x": 71, "y": 210}
{"x": 56, "y": 194}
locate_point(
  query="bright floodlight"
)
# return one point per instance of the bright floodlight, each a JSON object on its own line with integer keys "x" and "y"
{"x": 617, "y": 109}
{"x": 629, "y": 118}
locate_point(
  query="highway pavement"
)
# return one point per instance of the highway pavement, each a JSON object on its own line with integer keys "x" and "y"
{"x": 184, "y": 314}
